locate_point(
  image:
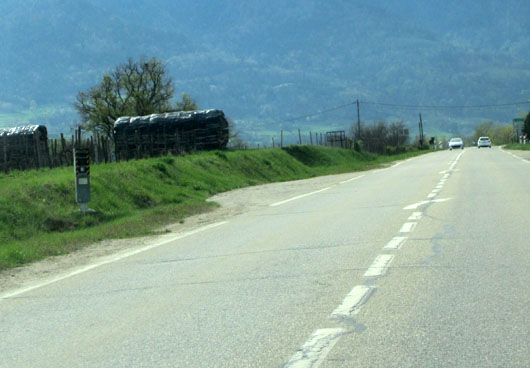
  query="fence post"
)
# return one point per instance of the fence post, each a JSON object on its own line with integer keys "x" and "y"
{"x": 63, "y": 152}
{"x": 47, "y": 147}
{"x": 137, "y": 144}
{"x": 165, "y": 139}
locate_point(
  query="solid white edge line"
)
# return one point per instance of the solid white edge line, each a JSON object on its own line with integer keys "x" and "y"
{"x": 396, "y": 242}
{"x": 300, "y": 196}
{"x": 396, "y": 164}
{"x": 515, "y": 156}
{"x": 353, "y": 302}
{"x": 408, "y": 227}
{"x": 379, "y": 265}
{"x": 352, "y": 179}
{"x": 315, "y": 350}
{"x": 111, "y": 259}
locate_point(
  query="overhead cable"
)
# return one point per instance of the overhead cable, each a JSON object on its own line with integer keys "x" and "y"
{"x": 510, "y": 104}
{"x": 407, "y": 106}
{"x": 319, "y": 112}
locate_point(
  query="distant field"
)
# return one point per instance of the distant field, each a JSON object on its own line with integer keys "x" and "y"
{"x": 38, "y": 216}
{"x": 57, "y": 118}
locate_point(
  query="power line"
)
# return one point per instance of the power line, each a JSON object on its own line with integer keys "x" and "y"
{"x": 319, "y": 112}
{"x": 510, "y": 104}
{"x": 408, "y": 106}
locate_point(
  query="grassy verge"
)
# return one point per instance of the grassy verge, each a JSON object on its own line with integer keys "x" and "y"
{"x": 38, "y": 216}
{"x": 517, "y": 146}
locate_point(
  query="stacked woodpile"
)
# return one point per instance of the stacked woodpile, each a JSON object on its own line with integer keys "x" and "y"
{"x": 24, "y": 148}
{"x": 175, "y": 132}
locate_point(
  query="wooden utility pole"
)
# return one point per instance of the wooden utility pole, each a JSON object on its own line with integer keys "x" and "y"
{"x": 299, "y": 137}
{"x": 421, "y": 131}
{"x": 358, "y": 121}
{"x": 281, "y": 139}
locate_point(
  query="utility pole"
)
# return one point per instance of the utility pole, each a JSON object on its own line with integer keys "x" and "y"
{"x": 421, "y": 131}
{"x": 358, "y": 122}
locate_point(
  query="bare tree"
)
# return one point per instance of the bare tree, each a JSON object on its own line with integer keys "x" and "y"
{"x": 235, "y": 141}
{"x": 134, "y": 88}
{"x": 374, "y": 137}
{"x": 398, "y": 134}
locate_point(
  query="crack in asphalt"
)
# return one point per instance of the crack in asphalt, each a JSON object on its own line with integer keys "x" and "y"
{"x": 291, "y": 249}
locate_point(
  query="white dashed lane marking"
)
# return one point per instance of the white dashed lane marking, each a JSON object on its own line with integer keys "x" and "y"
{"x": 315, "y": 350}
{"x": 353, "y": 302}
{"x": 408, "y": 227}
{"x": 416, "y": 205}
{"x": 415, "y": 216}
{"x": 396, "y": 242}
{"x": 379, "y": 266}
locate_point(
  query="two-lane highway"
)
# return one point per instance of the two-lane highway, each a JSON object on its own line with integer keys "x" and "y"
{"x": 425, "y": 263}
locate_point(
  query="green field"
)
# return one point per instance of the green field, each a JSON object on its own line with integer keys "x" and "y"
{"x": 39, "y": 218}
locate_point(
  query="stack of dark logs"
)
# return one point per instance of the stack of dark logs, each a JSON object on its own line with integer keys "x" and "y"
{"x": 24, "y": 147}
{"x": 28, "y": 147}
{"x": 175, "y": 133}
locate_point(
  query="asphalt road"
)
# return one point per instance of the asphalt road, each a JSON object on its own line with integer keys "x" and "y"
{"x": 424, "y": 264}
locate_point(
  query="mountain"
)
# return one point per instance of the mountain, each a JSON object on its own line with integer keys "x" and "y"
{"x": 266, "y": 63}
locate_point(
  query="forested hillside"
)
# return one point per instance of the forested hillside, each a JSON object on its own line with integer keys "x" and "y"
{"x": 267, "y": 62}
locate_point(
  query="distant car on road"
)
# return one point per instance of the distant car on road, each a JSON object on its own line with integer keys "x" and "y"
{"x": 484, "y": 142}
{"x": 456, "y": 143}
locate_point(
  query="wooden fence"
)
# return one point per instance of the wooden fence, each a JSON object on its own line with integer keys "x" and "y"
{"x": 29, "y": 147}
{"x": 137, "y": 137}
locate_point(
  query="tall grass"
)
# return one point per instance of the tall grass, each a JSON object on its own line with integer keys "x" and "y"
{"x": 517, "y": 146}
{"x": 39, "y": 218}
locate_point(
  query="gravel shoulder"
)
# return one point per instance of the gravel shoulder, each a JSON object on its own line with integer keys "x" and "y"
{"x": 232, "y": 203}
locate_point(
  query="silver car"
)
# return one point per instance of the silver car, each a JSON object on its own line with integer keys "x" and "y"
{"x": 484, "y": 142}
{"x": 456, "y": 143}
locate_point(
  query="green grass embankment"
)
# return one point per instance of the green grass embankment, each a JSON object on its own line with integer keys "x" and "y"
{"x": 517, "y": 146}
{"x": 39, "y": 218}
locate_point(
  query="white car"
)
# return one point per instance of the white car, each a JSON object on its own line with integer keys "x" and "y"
{"x": 484, "y": 142}
{"x": 456, "y": 143}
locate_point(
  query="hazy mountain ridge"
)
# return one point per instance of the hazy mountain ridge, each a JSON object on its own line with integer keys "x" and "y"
{"x": 267, "y": 62}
